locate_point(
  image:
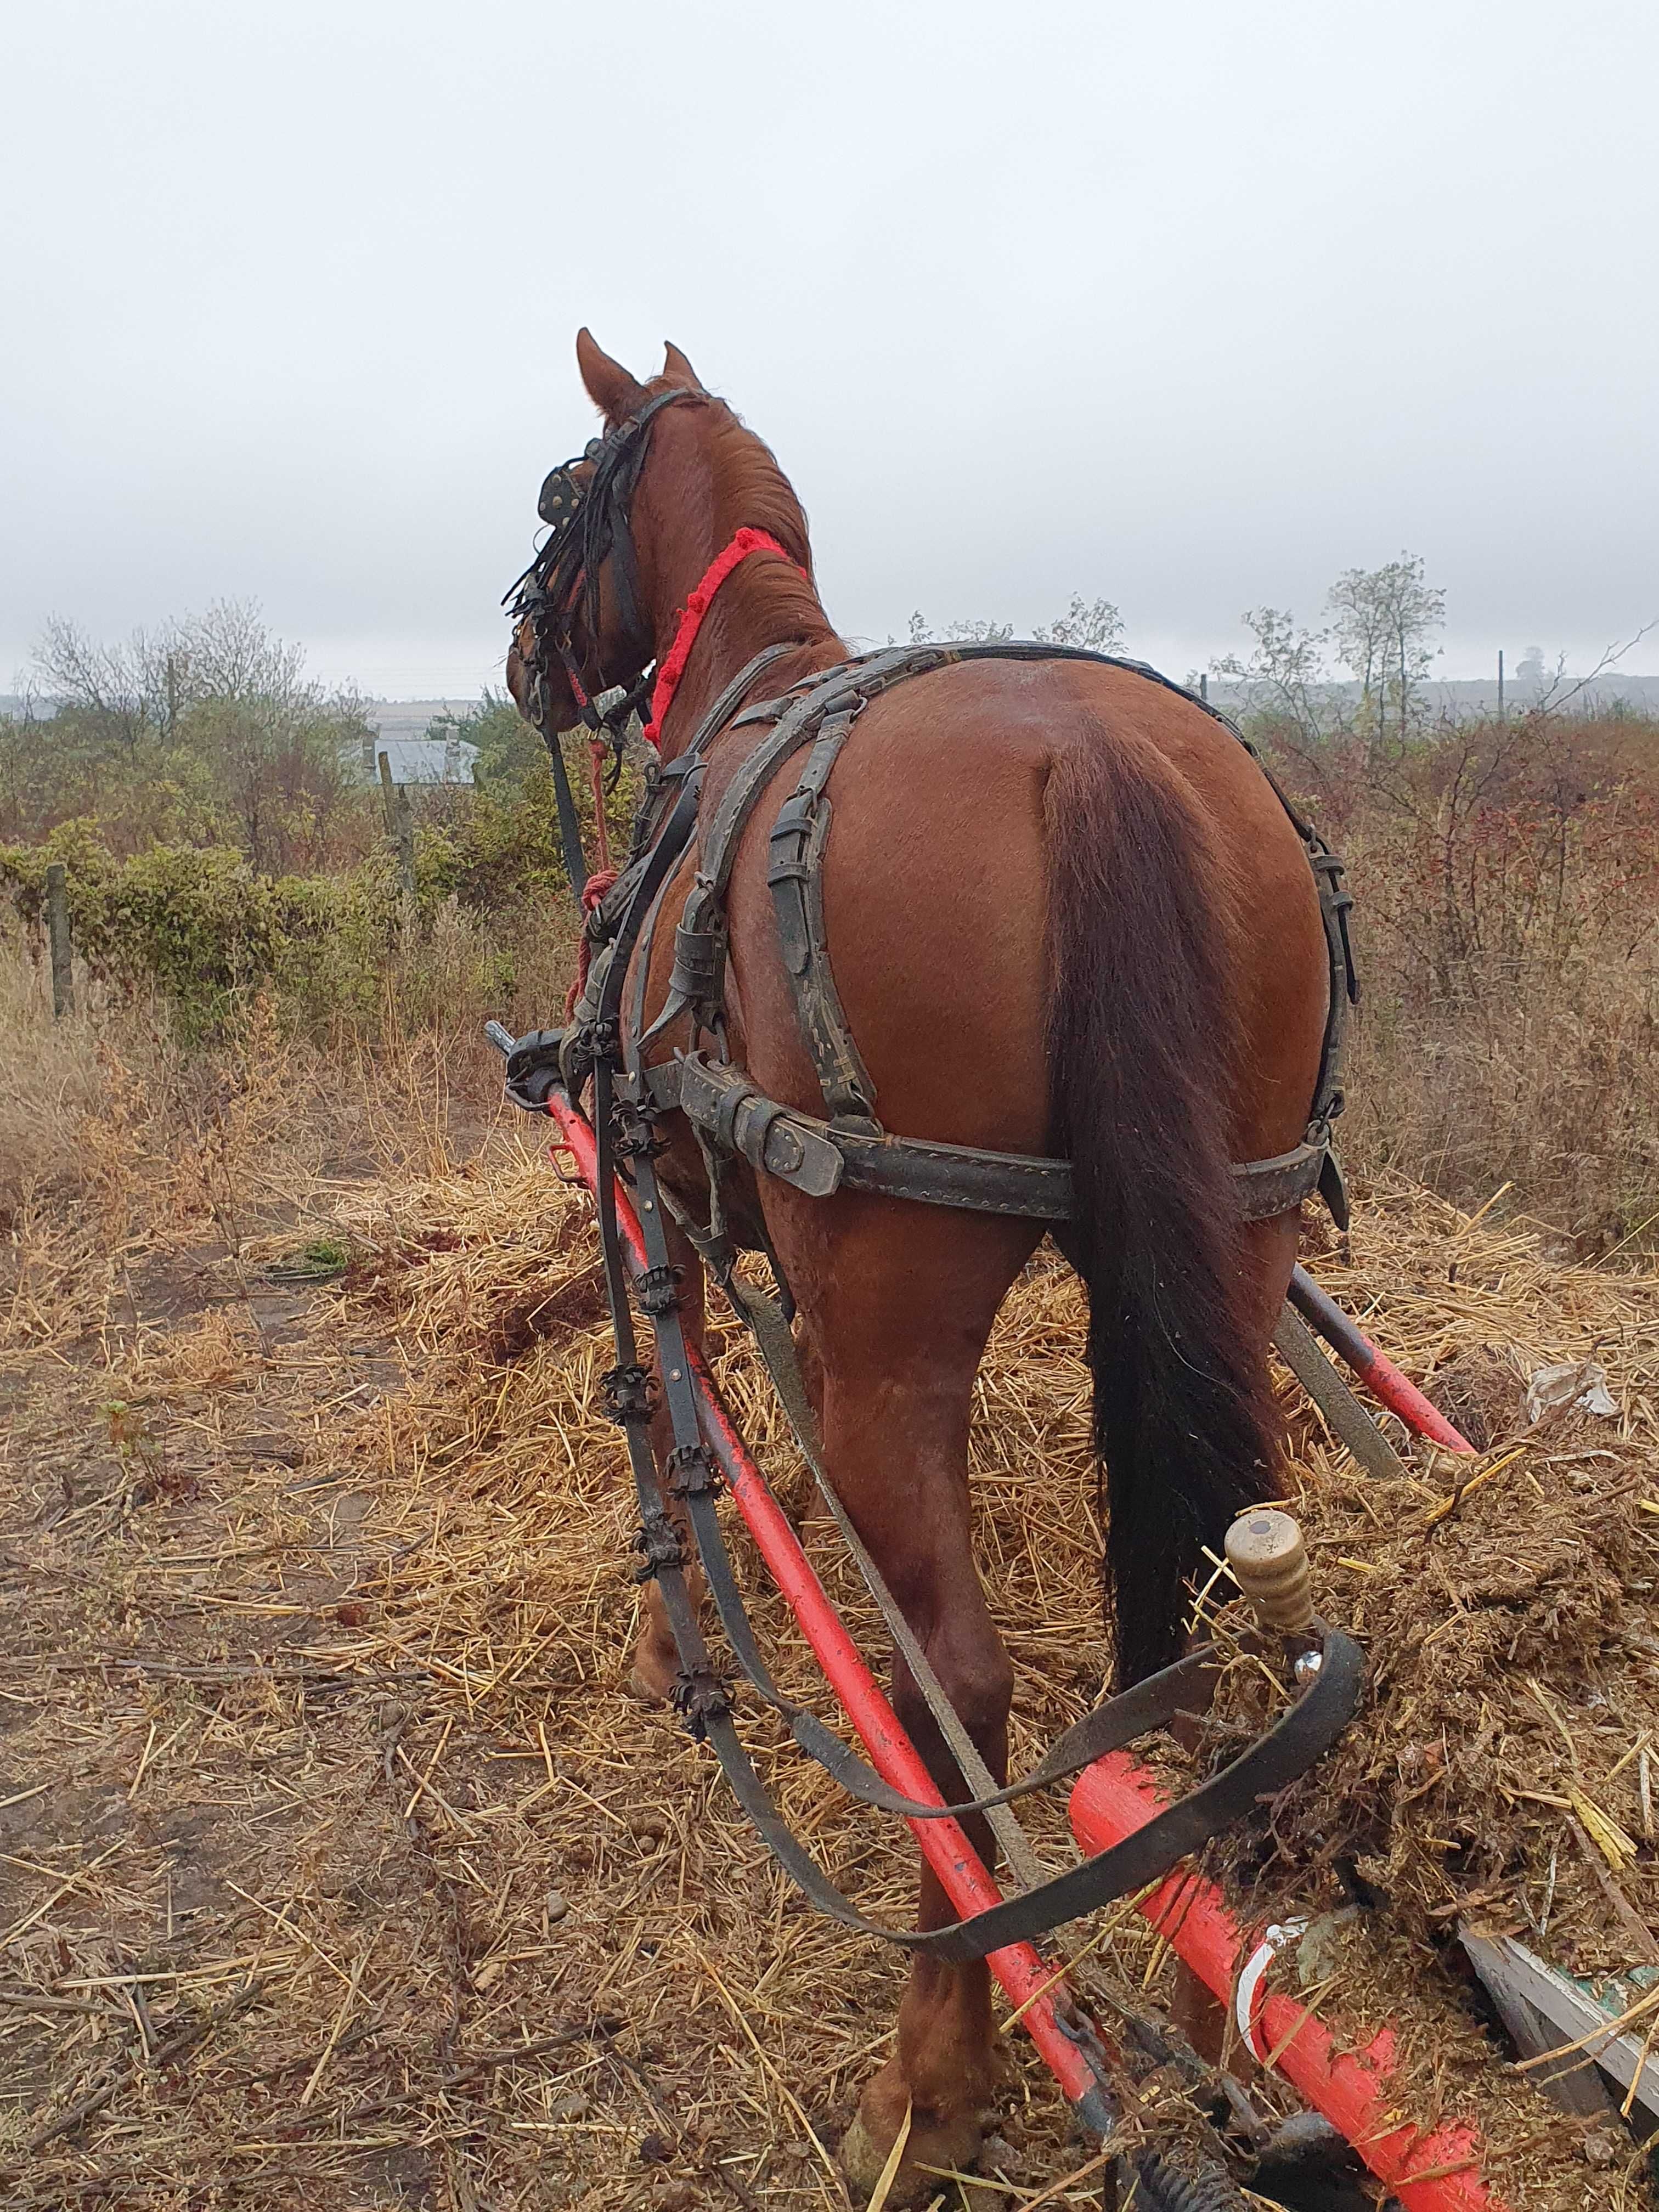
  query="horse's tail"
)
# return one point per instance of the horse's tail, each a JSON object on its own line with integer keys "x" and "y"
{"x": 1143, "y": 1054}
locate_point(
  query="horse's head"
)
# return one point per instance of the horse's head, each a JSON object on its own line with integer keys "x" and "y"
{"x": 579, "y": 627}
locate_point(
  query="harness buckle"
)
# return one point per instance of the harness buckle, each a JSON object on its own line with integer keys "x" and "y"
{"x": 699, "y": 1697}
{"x": 631, "y": 1135}
{"x": 627, "y": 1396}
{"x": 657, "y": 1291}
{"x": 691, "y": 1473}
{"x": 602, "y": 1040}
{"x": 658, "y": 1547}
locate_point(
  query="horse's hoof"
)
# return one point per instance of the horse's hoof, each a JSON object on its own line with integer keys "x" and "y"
{"x": 865, "y": 2152}
{"x": 651, "y": 1678}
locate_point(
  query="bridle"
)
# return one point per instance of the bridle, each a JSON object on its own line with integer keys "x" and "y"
{"x": 555, "y": 604}
{"x": 555, "y": 609}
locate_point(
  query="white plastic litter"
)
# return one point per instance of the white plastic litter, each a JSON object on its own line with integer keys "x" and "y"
{"x": 1582, "y": 1385}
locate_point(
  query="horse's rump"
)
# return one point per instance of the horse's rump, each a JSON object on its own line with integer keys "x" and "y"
{"x": 938, "y": 876}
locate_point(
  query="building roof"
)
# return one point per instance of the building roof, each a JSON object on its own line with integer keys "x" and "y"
{"x": 426, "y": 760}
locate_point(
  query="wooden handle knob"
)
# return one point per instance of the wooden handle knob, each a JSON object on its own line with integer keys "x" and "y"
{"x": 1266, "y": 1552}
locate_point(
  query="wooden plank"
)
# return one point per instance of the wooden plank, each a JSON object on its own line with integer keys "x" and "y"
{"x": 1552, "y": 2010}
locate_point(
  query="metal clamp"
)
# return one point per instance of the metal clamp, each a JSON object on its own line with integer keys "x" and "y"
{"x": 659, "y": 1547}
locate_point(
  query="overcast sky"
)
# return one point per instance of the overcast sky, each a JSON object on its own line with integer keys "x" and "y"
{"x": 1190, "y": 305}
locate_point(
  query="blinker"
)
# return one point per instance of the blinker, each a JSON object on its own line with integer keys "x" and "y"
{"x": 561, "y": 496}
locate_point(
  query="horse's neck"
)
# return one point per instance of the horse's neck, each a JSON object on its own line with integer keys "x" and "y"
{"x": 762, "y": 603}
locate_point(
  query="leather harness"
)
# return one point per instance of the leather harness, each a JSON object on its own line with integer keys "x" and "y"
{"x": 847, "y": 1147}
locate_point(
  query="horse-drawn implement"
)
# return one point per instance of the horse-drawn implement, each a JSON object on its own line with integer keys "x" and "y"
{"x": 1123, "y": 960}
{"x": 1099, "y": 2069}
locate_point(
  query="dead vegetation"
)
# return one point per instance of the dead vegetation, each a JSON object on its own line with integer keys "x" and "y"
{"x": 340, "y": 1871}
{"x": 1501, "y": 1777}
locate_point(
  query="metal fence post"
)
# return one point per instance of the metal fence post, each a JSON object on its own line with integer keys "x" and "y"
{"x": 57, "y": 930}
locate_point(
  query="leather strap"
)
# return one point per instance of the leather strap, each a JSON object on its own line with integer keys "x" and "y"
{"x": 1267, "y": 1189}
{"x": 696, "y": 982}
{"x": 820, "y": 1157}
{"x": 796, "y": 878}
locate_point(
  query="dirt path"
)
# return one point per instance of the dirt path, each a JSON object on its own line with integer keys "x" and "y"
{"x": 182, "y": 1760}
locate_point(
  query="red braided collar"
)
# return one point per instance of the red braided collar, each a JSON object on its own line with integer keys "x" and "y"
{"x": 746, "y": 542}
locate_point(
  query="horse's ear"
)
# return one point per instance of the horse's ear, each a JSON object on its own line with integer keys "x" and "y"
{"x": 610, "y": 387}
{"x": 676, "y": 369}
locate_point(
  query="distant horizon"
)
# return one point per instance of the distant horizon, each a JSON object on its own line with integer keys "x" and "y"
{"x": 443, "y": 696}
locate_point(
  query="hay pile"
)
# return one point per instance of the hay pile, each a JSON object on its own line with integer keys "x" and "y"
{"x": 1502, "y": 1772}
{"x": 1502, "y": 1775}
{"x": 460, "y": 1924}
{"x": 1506, "y": 1769}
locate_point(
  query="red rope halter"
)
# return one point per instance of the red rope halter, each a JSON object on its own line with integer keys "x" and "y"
{"x": 746, "y": 542}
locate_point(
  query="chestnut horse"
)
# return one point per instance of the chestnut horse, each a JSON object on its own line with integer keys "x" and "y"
{"x": 1068, "y": 915}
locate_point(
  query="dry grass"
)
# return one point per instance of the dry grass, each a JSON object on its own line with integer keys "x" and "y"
{"x": 323, "y": 1795}
{"x": 1546, "y": 1083}
{"x": 1503, "y": 877}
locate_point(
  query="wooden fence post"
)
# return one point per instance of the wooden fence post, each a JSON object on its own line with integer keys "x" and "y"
{"x": 57, "y": 930}
{"x": 400, "y": 825}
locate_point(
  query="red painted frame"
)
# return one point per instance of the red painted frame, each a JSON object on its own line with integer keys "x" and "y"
{"x": 1347, "y": 2082}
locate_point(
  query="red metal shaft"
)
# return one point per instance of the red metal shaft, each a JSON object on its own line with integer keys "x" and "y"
{"x": 961, "y": 1871}
{"x": 1374, "y": 1368}
{"x": 1113, "y": 1798}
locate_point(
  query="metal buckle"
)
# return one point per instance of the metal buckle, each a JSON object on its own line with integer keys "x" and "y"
{"x": 657, "y": 1291}
{"x": 691, "y": 1473}
{"x": 699, "y": 1697}
{"x": 626, "y": 1396}
{"x": 658, "y": 1546}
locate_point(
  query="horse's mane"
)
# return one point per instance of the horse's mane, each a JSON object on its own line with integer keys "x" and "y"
{"x": 750, "y": 490}
{"x": 754, "y": 487}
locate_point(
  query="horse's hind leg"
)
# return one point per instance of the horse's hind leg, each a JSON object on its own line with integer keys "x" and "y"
{"x": 898, "y": 1324}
